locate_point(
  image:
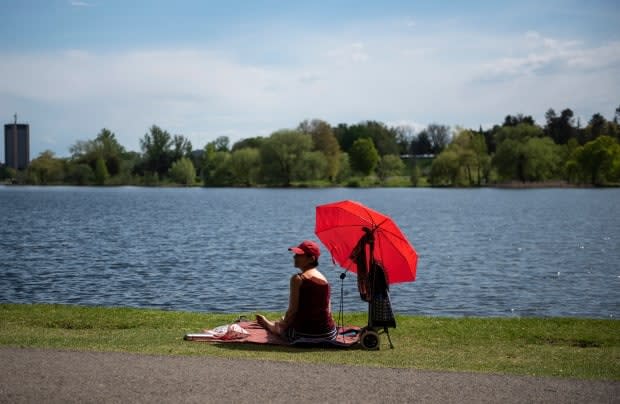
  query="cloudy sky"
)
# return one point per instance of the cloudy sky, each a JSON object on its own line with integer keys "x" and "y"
{"x": 240, "y": 69}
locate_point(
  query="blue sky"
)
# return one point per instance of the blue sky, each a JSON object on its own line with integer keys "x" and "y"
{"x": 205, "y": 69}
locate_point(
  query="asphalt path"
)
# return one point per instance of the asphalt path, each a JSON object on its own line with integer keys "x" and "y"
{"x": 51, "y": 376}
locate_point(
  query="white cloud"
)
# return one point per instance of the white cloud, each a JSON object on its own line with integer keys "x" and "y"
{"x": 541, "y": 55}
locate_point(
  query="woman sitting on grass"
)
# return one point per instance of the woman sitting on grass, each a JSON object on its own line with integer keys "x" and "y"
{"x": 309, "y": 310}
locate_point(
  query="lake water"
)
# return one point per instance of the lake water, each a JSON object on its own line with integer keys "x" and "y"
{"x": 482, "y": 252}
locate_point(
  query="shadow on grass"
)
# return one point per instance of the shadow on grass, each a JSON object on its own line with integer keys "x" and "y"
{"x": 294, "y": 349}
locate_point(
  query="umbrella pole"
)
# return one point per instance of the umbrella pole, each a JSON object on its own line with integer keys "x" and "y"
{"x": 371, "y": 262}
{"x": 341, "y": 312}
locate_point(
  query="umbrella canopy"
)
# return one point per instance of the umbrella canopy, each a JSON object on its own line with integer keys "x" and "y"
{"x": 341, "y": 226}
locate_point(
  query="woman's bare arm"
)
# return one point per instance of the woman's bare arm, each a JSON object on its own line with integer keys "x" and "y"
{"x": 293, "y": 303}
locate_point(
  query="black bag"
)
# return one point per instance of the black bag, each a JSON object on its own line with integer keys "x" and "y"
{"x": 380, "y": 307}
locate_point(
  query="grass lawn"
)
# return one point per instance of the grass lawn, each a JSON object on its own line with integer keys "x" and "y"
{"x": 564, "y": 347}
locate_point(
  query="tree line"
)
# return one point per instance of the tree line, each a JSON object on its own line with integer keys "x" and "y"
{"x": 365, "y": 154}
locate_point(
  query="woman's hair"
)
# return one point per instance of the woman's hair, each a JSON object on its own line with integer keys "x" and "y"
{"x": 314, "y": 263}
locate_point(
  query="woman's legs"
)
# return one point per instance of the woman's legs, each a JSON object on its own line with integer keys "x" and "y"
{"x": 271, "y": 326}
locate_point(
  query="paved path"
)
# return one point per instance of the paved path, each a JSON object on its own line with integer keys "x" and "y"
{"x": 49, "y": 376}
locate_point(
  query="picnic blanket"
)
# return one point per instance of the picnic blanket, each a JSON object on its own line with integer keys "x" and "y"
{"x": 252, "y": 332}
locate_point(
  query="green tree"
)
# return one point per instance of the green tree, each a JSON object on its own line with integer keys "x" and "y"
{"x": 570, "y": 169}
{"x": 245, "y": 166}
{"x": 79, "y": 174}
{"x": 509, "y": 160}
{"x": 111, "y": 150}
{"x": 312, "y": 166}
{"x": 345, "y": 168}
{"x": 518, "y": 119}
{"x": 520, "y": 133}
{"x": 560, "y": 128}
{"x": 599, "y": 160}
{"x": 471, "y": 149}
{"x": 217, "y": 167}
{"x": 280, "y": 154}
{"x": 183, "y": 172}
{"x": 513, "y": 159}
{"x": 445, "y": 169}
{"x": 384, "y": 139}
{"x": 527, "y": 159}
{"x": 324, "y": 141}
{"x": 7, "y": 173}
{"x": 252, "y": 142}
{"x": 421, "y": 144}
{"x": 404, "y": 135}
{"x": 390, "y": 165}
{"x": 157, "y": 153}
{"x": 363, "y": 156}
{"x": 101, "y": 172}
{"x": 542, "y": 159}
{"x": 181, "y": 147}
{"x": 439, "y": 136}
{"x": 45, "y": 169}
{"x": 105, "y": 146}
{"x": 222, "y": 144}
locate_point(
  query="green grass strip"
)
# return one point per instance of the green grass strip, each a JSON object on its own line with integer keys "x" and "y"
{"x": 563, "y": 347}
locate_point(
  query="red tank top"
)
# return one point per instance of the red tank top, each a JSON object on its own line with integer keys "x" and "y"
{"x": 313, "y": 316}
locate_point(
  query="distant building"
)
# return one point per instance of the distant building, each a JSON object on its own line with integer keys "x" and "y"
{"x": 17, "y": 145}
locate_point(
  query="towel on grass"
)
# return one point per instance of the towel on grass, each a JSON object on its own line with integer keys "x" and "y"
{"x": 252, "y": 332}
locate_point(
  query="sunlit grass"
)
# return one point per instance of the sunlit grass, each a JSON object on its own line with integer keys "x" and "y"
{"x": 565, "y": 347}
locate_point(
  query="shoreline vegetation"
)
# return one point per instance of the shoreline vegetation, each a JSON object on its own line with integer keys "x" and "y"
{"x": 517, "y": 153}
{"x": 558, "y": 347}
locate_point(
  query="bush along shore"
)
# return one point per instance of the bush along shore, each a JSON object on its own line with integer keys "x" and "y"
{"x": 559, "y": 347}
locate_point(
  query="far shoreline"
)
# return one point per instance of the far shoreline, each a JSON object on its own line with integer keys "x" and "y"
{"x": 504, "y": 185}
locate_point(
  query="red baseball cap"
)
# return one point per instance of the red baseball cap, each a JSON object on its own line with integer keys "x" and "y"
{"x": 307, "y": 247}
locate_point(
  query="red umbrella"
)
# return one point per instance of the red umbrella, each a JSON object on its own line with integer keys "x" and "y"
{"x": 341, "y": 226}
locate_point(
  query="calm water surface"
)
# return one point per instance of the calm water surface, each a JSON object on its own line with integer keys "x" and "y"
{"x": 483, "y": 252}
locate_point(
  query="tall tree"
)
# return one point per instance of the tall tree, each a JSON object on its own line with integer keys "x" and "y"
{"x": 390, "y": 165}
{"x": 324, "y": 141}
{"x": 245, "y": 166}
{"x": 471, "y": 150}
{"x": 421, "y": 144}
{"x": 440, "y": 136}
{"x": 518, "y": 119}
{"x": 105, "y": 146}
{"x": 509, "y": 160}
{"x": 363, "y": 156}
{"x": 560, "y": 128}
{"x": 445, "y": 169}
{"x": 404, "y": 135}
{"x": 181, "y": 147}
{"x": 383, "y": 138}
{"x": 542, "y": 159}
{"x": 597, "y": 126}
{"x": 156, "y": 148}
{"x": 45, "y": 169}
{"x": 280, "y": 154}
{"x": 101, "y": 172}
{"x": 253, "y": 142}
{"x": 222, "y": 144}
{"x": 183, "y": 172}
{"x": 599, "y": 160}
{"x": 216, "y": 168}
